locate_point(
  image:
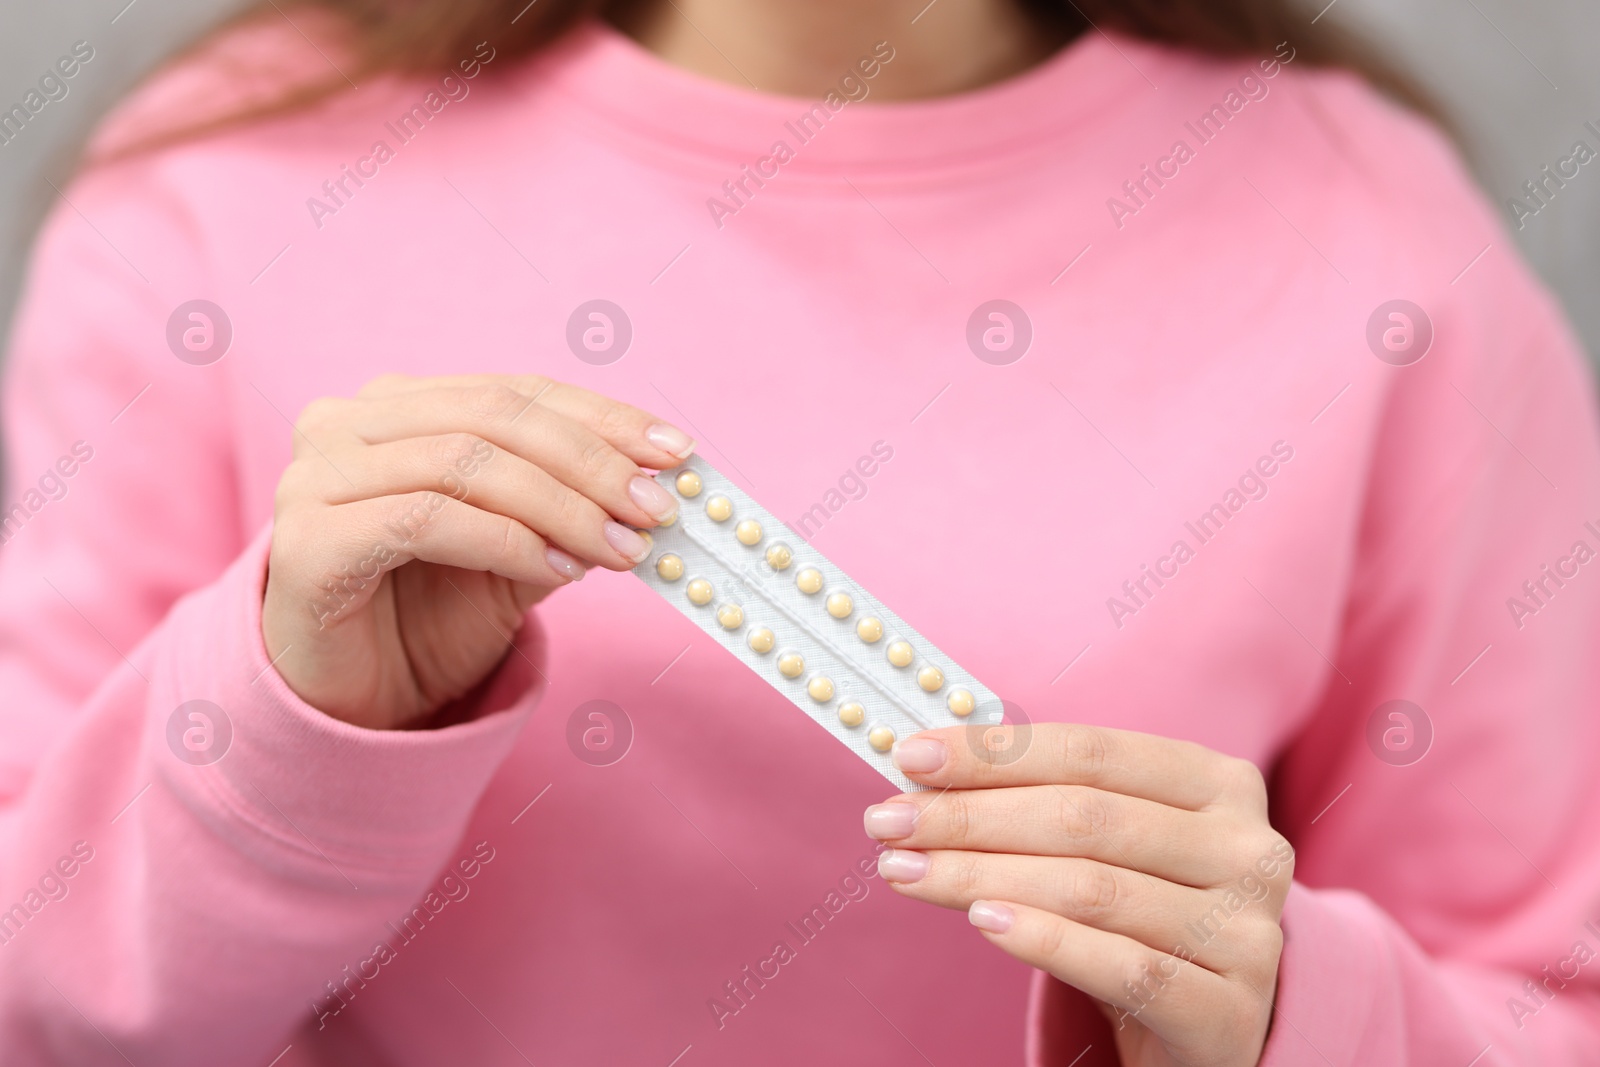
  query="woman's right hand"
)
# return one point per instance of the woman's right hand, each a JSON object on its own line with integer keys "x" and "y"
{"x": 418, "y": 522}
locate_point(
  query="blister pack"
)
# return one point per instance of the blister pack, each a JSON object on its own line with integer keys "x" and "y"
{"x": 797, "y": 620}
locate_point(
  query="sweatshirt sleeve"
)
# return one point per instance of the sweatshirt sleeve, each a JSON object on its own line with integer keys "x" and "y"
{"x": 188, "y": 851}
{"x": 1442, "y": 803}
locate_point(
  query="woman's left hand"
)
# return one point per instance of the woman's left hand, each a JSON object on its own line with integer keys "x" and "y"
{"x": 1138, "y": 869}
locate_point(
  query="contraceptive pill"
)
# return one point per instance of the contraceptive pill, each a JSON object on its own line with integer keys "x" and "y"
{"x": 843, "y": 658}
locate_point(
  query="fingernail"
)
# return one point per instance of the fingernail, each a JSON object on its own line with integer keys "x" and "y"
{"x": 898, "y": 865}
{"x": 627, "y": 542}
{"x": 920, "y": 755}
{"x": 888, "y": 822}
{"x": 987, "y": 915}
{"x": 564, "y": 564}
{"x": 652, "y": 499}
{"x": 670, "y": 439}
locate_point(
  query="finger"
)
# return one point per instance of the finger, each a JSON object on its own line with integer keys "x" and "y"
{"x": 1181, "y": 846}
{"x": 1207, "y": 927}
{"x": 1179, "y": 773}
{"x": 574, "y": 454}
{"x": 1173, "y": 997}
{"x": 469, "y": 468}
{"x": 637, "y": 434}
{"x": 340, "y": 566}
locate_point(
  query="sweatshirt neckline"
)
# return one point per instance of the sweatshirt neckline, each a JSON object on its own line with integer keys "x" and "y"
{"x": 632, "y": 93}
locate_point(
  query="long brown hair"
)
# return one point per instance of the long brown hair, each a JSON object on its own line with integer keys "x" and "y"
{"x": 421, "y": 37}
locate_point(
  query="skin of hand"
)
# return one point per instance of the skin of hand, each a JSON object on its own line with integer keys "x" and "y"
{"x": 1138, "y": 869}
{"x": 420, "y": 520}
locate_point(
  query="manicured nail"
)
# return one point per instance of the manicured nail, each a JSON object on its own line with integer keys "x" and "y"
{"x": 920, "y": 755}
{"x": 898, "y": 865}
{"x": 987, "y": 915}
{"x": 889, "y": 822}
{"x": 564, "y": 564}
{"x": 627, "y": 542}
{"x": 670, "y": 439}
{"x": 652, "y": 499}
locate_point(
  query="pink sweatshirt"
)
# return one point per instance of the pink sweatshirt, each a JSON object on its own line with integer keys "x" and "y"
{"x": 1198, "y": 505}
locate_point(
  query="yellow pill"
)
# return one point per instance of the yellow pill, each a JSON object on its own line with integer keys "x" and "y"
{"x": 840, "y": 605}
{"x": 748, "y": 532}
{"x": 960, "y": 702}
{"x": 669, "y": 520}
{"x": 649, "y": 542}
{"x": 719, "y": 509}
{"x": 821, "y": 689}
{"x": 779, "y": 557}
{"x": 670, "y": 567}
{"x": 761, "y": 640}
{"x": 809, "y": 580}
{"x": 869, "y": 630}
{"x": 852, "y": 713}
{"x": 931, "y": 679}
{"x": 689, "y": 483}
{"x": 881, "y": 738}
{"x": 790, "y": 664}
{"x": 700, "y": 592}
{"x": 900, "y": 654}
{"x": 731, "y": 616}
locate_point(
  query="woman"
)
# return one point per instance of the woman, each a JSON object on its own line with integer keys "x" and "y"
{"x": 1165, "y": 375}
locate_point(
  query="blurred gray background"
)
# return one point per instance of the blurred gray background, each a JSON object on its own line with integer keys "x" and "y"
{"x": 1520, "y": 76}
